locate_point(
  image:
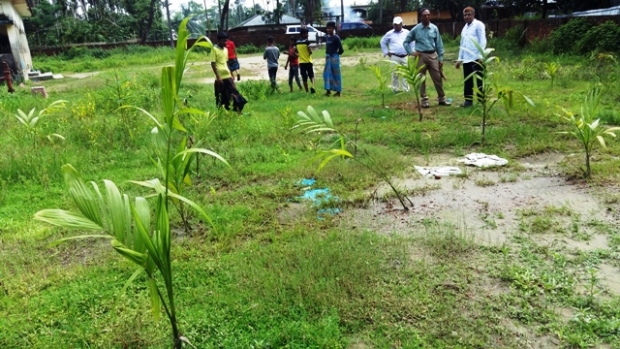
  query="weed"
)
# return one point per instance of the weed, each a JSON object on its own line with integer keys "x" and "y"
{"x": 585, "y": 127}
{"x": 485, "y": 182}
{"x": 128, "y": 224}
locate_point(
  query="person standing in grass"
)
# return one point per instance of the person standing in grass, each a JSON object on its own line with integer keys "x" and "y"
{"x": 429, "y": 47}
{"x": 305, "y": 60}
{"x": 224, "y": 86}
{"x": 233, "y": 63}
{"x": 293, "y": 60}
{"x": 469, "y": 56}
{"x": 392, "y": 46}
{"x": 332, "y": 78}
{"x": 272, "y": 53}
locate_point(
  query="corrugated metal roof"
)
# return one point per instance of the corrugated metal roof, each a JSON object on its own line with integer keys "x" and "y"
{"x": 257, "y": 20}
{"x": 611, "y": 11}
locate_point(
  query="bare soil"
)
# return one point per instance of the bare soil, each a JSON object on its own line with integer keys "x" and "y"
{"x": 494, "y": 205}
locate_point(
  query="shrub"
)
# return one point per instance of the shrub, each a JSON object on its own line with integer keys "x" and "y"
{"x": 372, "y": 42}
{"x": 254, "y": 90}
{"x": 563, "y": 38}
{"x": 603, "y": 38}
{"x": 250, "y": 48}
{"x": 99, "y": 53}
{"x": 76, "y": 52}
{"x": 540, "y": 45}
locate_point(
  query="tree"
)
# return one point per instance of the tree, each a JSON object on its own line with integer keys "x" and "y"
{"x": 276, "y": 15}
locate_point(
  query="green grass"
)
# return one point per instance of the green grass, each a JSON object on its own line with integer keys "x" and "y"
{"x": 257, "y": 280}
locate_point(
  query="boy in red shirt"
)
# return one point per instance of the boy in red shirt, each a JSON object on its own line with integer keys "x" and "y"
{"x": 233, "y": 63}
{"x": 293, "y": 60}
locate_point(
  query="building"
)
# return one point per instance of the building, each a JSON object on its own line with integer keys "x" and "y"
{"x": 14, "y": 49}
{"x": 258, "y": 23}
{"x": 411, "y": 17}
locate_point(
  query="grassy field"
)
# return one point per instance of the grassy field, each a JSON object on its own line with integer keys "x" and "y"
{"x": 273, "y": 274}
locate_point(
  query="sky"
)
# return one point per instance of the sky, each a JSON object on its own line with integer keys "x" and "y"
{"x": 175, "y": 5}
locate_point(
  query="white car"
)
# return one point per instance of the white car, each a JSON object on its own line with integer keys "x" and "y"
{"x": 314, "y": 35}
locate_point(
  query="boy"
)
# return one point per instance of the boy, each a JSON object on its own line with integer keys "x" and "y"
{"x": 305, "y": 60}
{"x": 233, "y": 63}
{"x": 224, "y": 86}
{"x": 293, "y": 59}
{"x": 332, "y": 79}
{"x": 272, "y": 53}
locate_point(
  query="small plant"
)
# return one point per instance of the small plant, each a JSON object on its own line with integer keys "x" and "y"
{"x": 551, "y": 70}
{"x": 412, "y": 73}
{"x": 31, "y": 122}
{"x": 586, "y": 129}
{"x": 382, "y": 79}
{"x": 312, "y": 122}
{"x": 127, "y": 222}
{"x": 491, "y": 92}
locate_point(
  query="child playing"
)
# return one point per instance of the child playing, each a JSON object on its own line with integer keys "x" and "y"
{"x": 225, "y": 89}
{"x": 305, "y": 59}
{"x": 233, "y": 63}
{"x": 272, "y": 53}
{"x": 333, "y": 49}
{"x": 293, "y": 59}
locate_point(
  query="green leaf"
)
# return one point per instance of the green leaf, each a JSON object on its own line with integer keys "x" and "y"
{"x": 327, "y": 118}
{"x": 168, "y": 94}
{"x": 81, "y": 195}
{"x": 80, "y": 237}
{"x": 194, "y": 205}
{"x": 117, "y": 211}
{"x": 131, "y": 255}
{"x": 66, "y": 219}
{"x": 154, "y": 296}
{"x": 159, "y": 124}
{"x": 202, "y": 151}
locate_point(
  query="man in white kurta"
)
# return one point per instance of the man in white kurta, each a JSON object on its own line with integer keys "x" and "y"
{"x": 392, "y": 47}
{"x": 469, "y": 55}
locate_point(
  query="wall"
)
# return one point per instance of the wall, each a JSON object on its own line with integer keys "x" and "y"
{"x": 18, "y": 39}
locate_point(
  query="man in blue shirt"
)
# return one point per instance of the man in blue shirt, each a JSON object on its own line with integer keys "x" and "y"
{"x": 429, "y": 47}
{"x": 469, "y": 55}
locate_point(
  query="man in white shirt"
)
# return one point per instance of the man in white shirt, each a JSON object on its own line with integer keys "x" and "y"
{"x": 469, "y": 56}
{"x": 392, "y": 47}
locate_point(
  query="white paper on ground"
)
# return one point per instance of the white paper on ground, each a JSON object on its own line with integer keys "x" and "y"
{"x": 483, "y": 160}
{"x": 441, "y": 171}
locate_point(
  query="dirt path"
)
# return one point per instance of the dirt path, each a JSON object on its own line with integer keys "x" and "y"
{"x": 257, "y": 67}
{"x": 254, "y": 67}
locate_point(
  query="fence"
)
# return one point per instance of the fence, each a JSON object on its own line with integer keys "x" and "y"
{"x": 533, "y": 28}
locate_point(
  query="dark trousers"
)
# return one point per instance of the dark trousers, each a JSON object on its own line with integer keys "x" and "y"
{"x": 226, "y": 93}
{"x": 468, "y": 69}
{"x": 272, "y": 77}
{"x": 223, "y": 93}
{"x": 293, "y": 73}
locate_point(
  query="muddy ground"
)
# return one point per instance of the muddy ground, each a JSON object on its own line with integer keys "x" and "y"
{"x": 492, "y": 206}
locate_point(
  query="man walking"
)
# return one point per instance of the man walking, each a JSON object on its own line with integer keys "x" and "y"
{"x": 429, "y": 47}
{"x": 305, "y": 60}
{"x": 469, "y": 55}
{"x": 272, "y": 54}
{"x": 392, "y": 46}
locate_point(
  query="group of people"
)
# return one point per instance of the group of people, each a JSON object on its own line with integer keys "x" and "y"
{"x": 423, "y": 41}
{"x": 300, "y": 61}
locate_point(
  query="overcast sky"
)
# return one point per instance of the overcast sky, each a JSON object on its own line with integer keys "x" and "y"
{"x": 175, "y": 5}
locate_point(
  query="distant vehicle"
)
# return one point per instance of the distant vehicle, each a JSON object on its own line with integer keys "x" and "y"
{"x": 361, "y": 28}
{"x": 314, "y": 35}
